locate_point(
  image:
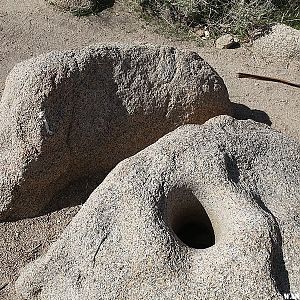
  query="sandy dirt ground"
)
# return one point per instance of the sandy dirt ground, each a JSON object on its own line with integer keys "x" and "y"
{"x": 29, "y": 28}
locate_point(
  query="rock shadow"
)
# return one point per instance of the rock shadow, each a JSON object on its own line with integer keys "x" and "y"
{"x": 243, "y": 112}
{"x": 76, "y": 193}
{"x": 103, "y": 4}
{"x": 279, "y": 271}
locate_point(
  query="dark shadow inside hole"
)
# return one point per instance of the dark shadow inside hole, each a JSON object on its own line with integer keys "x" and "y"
{"x": 188, "y": 219}
{"x": 196, "y": 235}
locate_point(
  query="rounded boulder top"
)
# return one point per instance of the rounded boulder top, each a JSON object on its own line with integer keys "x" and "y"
{"x": 69, "y": 115}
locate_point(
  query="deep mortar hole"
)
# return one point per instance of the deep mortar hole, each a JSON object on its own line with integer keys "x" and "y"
{"x": 188, "y": 219}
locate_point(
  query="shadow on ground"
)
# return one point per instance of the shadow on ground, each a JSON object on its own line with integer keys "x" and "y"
{"x": 101, "y": 5}
{"x": 243, "y": 112}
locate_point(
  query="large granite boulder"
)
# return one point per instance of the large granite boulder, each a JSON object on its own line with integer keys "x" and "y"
{"x": 70, "y": 115}
{"x": 207, "y": 212}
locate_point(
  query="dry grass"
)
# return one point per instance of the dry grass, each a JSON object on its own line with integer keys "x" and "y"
{"x": 240, "y": 17}
{"x": 81, "y": 11}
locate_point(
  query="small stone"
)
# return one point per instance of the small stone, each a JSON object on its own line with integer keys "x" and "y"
{"x": 206, "y": 34}
{"x": 227, "y": 41}
{"x": 200, "y": 32}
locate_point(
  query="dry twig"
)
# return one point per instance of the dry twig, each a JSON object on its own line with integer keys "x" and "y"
{"x": 3, "y": 286}
{"x": 265, "y": 78}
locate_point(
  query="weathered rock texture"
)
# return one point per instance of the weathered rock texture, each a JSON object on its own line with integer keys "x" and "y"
{"x": 207, "y": 212}
{"x": 69, "y": 115}
{"x": 282, "y": 42}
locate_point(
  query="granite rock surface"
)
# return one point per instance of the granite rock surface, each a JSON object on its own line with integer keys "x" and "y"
{"x": 70, "y": 115}
{"x": 207, "y": 212}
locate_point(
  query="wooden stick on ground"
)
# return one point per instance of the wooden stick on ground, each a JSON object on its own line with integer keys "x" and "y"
{"x": 4, "y": 286}
{"x": 265, "y": 78}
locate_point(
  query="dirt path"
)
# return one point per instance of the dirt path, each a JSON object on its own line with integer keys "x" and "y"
{"x": 29, "y": 28}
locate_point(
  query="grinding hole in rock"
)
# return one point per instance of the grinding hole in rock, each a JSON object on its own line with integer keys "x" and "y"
{"x": 188, "y": 219}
